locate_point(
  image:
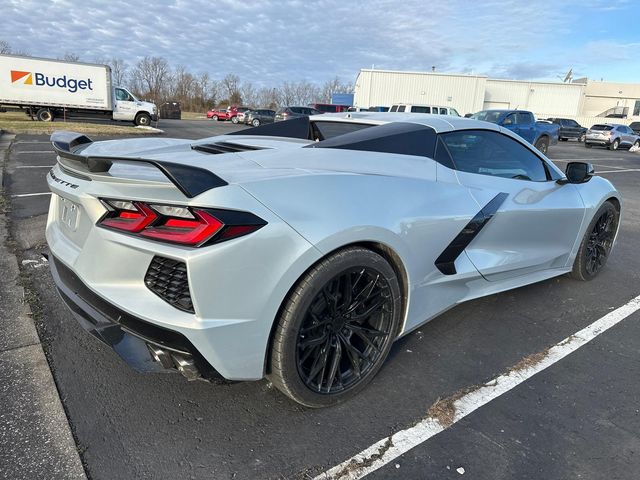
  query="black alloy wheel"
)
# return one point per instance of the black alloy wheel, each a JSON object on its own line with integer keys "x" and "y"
{"x": 597, "y": 243}
{"x": 345, "y": 330}
{"x": 336, "y": 328}
{"x": 600, "y": 242}
{"x": 543, "y": 145}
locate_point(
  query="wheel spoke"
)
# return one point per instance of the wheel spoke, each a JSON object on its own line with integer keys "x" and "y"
{"x": 319, "y": 364}
{"x": 353, "y": 354}
{"x": 369, "y": 311}
{"x": 366, "y": 339}
{"x": 335, "y": 362}
{"x": 313, "y": 342}
{"x": 368, "y": 331}
{"x": 347, "y": 291}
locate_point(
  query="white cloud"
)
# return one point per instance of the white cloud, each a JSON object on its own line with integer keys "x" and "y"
{"x": 271, "y": 41}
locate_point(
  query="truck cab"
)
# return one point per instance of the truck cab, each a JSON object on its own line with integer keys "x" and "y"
{"x": 128, "y": 108}
{"x": 523, "y": 123}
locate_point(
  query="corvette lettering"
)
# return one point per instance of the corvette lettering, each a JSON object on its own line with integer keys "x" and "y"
{"x": 62, "y": 182}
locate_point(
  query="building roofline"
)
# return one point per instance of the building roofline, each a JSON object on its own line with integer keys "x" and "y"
{"x": 441, "y": 74}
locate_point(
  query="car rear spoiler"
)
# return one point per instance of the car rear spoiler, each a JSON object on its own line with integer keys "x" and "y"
{"x": 190, "y": 180}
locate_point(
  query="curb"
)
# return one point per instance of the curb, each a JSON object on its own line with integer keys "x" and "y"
{"x": 35, "y": 436}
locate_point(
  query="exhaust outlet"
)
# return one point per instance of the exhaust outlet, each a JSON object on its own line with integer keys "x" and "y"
{"x": 160, "y": 355}
{"x": 186, "y": 367}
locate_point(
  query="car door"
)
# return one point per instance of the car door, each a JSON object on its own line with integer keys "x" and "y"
{"x": 526, "y": 126}
{"x": 533, "y": 221}
{"x": 125, "y": 106}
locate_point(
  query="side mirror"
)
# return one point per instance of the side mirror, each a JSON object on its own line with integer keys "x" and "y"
{"x": 577, "y": 172}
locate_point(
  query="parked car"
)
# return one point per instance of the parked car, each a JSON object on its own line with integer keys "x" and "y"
{"x": 217, "y": 114}
{"x": 259, "y": 117}
{"x": 569, "y": 129}
{"x": 538, "y": 134}
{"x": 329, "y": 107}
{"x": 635, "y": 126}
{"x": 306, "y": 263}
{"x": 287, "y": 113}
{"x": 612, "y": 136}
{"x": 236, "y": 114}
{"x": 435, "y": 110}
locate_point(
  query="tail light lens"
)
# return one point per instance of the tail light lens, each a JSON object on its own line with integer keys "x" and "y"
{"x": 176, "y": 224}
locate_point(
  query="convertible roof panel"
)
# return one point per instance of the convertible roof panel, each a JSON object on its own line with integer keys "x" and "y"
{"x": 397, "y": 137}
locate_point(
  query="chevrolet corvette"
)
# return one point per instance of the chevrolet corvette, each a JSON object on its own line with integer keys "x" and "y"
{"x": 300, "y": 251}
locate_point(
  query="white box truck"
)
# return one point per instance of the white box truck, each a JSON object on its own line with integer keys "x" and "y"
{"x": 54, "y": 88}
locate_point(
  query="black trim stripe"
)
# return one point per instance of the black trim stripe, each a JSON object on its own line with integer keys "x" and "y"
{"x": 446, "y": 261}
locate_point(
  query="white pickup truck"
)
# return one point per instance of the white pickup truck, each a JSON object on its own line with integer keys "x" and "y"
{"x": 54, "y": 88}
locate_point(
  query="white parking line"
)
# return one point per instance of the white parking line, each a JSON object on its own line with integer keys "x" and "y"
{"x": 618, "y": 171}
{"x": 20, "y": 195}
{"x": 390, "y": 448}
{"x": 35, "y": 166}
{"x": 49, "y": 152}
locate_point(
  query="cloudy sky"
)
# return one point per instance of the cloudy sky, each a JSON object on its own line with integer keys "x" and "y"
{"x": 269, "y": 41}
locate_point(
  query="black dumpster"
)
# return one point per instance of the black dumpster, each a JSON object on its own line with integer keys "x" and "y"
{"x": 171, "y": 110}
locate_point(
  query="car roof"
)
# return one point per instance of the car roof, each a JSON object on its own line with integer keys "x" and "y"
{"x": 440, "y": 123}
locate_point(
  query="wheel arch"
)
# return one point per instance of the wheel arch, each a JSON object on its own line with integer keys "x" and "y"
{"x": 382, "y": 249}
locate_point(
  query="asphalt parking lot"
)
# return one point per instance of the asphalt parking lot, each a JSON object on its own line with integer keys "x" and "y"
{"x": 579, "y": 418}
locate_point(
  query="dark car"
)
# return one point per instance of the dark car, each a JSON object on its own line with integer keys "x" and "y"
{"x": 287, "y": 113}
{"x": 569, "y": 129}
{"x": 329, "y": 107}
{"x": 635, "y": 126}
{"x": 259, "y": 116}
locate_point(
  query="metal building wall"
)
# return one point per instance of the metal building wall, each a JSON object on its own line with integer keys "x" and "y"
{"x": 601, "y": 96}
{"x": 374, "y": 88}
{"x": 542, "y": 98}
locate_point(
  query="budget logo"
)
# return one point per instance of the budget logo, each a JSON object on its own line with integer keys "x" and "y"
{"x": 38, "y": 79}
{"x": 26, "y": 77}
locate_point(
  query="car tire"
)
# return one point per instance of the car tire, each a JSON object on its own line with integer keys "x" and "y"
{"x": 564, "y": 139}
{"x": 636, "y": 144}
{"x": 142, "y": 120}
{"x": 214, "y": 118}
{"x": 597, "y": 243}
{"x": 542, "y": 145}
{"x": 45, "y": 115}
{"x": 327, "y": 344}
{"x": 255, "y": 122}
{"x": 614, "y": 145}
{"x": 582, "y": 138}
{"x": 587, "y": 145}
{"x": 234, "y": 120}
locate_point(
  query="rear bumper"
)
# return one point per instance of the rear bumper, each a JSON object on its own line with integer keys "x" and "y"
{"x": 143, "y": 346}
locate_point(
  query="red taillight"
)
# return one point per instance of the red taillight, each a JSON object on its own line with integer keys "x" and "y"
{"x": 187, "y": 232}
{"x": 176, "y": 224}
{"x": 124, "y": 218}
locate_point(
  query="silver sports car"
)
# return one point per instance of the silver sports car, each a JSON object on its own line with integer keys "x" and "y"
{"x": 299, "y": 251}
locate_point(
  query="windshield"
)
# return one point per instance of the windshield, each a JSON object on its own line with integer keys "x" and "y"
{"x": 488, "y": 115}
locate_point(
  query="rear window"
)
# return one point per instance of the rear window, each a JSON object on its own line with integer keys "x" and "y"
{"x": 488, "y": 116}
{"x": 325, "y": 130}
{"x": 602, "y": 127}
{"x": 297, "y": 110}
{"x": 417, "y": 109}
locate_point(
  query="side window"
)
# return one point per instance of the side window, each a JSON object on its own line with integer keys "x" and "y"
{"x": 122, "y": 95}
{"x": 417, "y": 109}
{"x": 510, "y": 120}
{"x": 524, "y": 118}
{"x": 394, "y": 108}
{"x": 573, "y": 123}
{"x": 487, "y": 152}
{"x": 443, "y": 111}
{"x": 400, "y": 108}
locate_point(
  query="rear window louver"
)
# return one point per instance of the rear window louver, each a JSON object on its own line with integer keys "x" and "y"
{"x": 224, "y": 147}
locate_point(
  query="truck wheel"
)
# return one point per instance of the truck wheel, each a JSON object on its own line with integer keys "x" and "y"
{"x": 542, "y": 144}
{"x": 564, "y": 139}
{"x": 582, "y": 137}
{"x": 143, "y": 120}
{"x": 234, "y": 120}
{"x": 214, "y": 118}
{"x": 45, "y": 115}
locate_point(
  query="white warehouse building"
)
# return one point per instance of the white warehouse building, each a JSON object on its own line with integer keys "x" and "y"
{"x": 471, "y": 93}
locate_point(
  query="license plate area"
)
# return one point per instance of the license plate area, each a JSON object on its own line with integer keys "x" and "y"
{"x": 68, "y": 214}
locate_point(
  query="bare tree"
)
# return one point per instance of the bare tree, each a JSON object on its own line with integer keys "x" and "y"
{"x": 70, "y": 57}
{"x": 249, "y": 94}
{"x": 150, "y": 78}
{"x": 5, "y": 48}
{"x": 333, "y": 86}
{"x": 118, "y": 70}
{"x": 231, "y": 88}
